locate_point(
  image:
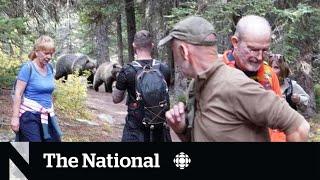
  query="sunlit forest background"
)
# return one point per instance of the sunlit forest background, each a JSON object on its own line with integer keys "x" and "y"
{"x": 104, "y": 30}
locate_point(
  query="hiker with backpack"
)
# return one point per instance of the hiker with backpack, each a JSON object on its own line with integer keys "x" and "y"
{"x": 291, "y": 90}
{"x": 146, "y": 80}
{"x": 229, "y": 105}
{"x": 33, "y": 118}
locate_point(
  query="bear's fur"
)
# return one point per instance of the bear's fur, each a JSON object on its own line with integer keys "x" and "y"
{"x": 106, "y": 73}
{"x": 69, "y": 63}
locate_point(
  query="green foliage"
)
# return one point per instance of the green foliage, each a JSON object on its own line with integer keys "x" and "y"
{"x": 3, "y": 4}
{"x": 12, "y": 28}
{"x": 225, "y": 16}
{"x": 91, "y": 10}
{"x": 296, "y": 29}
{"x": 11, "y": 31}
{"x": 299, "y": 27}
{"x": 70, "y": 96}
{"x": 182, "y": 98}
{"x": 12, "y": 25}
{"x": 92, "y": 13}
{"x": 222, "y": 15}
{"x": 317, "y": 95}
{"x": 189, "y": 8}
{"x": 9, "y": 67}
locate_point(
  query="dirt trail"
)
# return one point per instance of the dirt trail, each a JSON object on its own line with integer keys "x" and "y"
{"x": 105, "y": 125}
{"x": 5, "y": 114}
{"x": 101, "y": 104}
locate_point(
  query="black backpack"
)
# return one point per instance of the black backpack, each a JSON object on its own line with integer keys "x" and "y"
{"x": 151, "y": 92}
{"x": 288, "y": 93}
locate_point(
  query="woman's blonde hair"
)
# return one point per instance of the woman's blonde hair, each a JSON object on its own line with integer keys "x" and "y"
{"x": 43, "y": 43}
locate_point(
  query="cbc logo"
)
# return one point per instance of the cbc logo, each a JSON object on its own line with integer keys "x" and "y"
{"x": 182, "y": 160}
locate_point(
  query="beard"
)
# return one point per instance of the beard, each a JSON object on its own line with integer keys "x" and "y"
{"x": 254, "y": 64}
{"x": 244, "y": 63}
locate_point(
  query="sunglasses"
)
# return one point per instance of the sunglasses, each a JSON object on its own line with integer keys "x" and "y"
{"x": 278, "y": 57}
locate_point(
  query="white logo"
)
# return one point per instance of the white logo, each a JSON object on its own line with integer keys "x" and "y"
{"x": 182, "y": 160}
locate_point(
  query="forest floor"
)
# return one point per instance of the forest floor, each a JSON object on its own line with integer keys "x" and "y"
{"x": 106, "y": 123}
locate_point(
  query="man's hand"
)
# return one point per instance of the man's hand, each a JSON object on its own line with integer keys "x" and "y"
{"x": 301, "y": 134}
{"x": 15, "y": 124}
{"x": 176, "y": 118}
{"x": 295, "y": 98}
{"x": 117, "y": 95}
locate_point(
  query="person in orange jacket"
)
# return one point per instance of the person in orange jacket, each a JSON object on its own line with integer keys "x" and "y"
{"x": 251, "y": 43}
{"x": 229, "y": 106}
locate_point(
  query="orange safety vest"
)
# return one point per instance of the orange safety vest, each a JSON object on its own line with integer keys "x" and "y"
{"x": 269, "y": 80}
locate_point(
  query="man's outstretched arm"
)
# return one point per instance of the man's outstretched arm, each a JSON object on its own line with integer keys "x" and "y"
{"x": 300, "y": 134}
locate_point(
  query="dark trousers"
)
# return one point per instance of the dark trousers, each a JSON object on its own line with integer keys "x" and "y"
{"x": 30, "y": 129}
{"x": 135, "y": 131}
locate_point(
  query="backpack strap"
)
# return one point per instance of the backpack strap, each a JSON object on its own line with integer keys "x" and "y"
{"x": 30, "y": 68}
{"x": 289, "y": 92}
{"x": 156, "y": 64}
{"x": 136, "y": 64}
{"x": 132, "y": 66}
{"x": 15, "y": 82}
{"x": 51, "y": 68}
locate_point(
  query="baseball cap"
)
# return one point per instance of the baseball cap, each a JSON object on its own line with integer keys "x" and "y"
{"x": 193, "y": 29}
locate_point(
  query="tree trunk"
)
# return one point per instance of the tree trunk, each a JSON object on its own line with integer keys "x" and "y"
{"x": 102, "y": 41}
{"x": 151, "y": 21}
{"x": 119, "y": 40}
{"x": 286, "y": 4}
{"x": 22, "y": 44}
{"x": 20, "y": 8}
{"x": 155, "y": 22}
{"x": 180, "y": 85}
{"x": 305, "y": 80}
{"x": 70, "y": 48}
{"x": 202, "y": 5}
{"x": 131, "y": 27}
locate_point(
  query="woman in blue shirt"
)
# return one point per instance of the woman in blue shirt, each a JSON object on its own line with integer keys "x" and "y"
{"x": 33, "y": 117}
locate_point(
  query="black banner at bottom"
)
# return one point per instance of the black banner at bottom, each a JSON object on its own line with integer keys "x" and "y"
{"x": 158, "y": 161}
